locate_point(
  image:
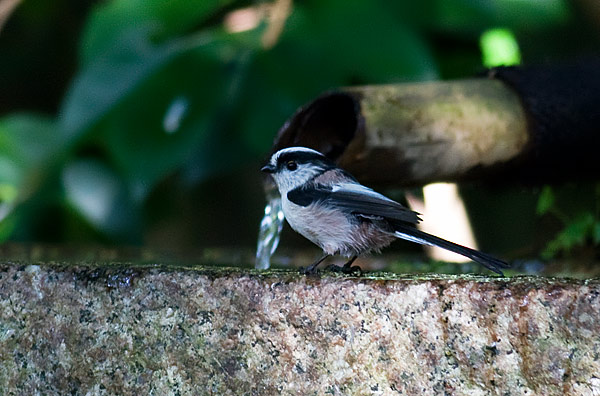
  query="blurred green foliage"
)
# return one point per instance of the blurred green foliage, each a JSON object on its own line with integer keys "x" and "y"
{"x": 580, "y": 227}
{"x": 500, "y": 48}
{"x": 163, "y": 94}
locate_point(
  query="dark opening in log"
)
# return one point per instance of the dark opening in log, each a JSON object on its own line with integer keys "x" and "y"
{"x": 327, "y": 124}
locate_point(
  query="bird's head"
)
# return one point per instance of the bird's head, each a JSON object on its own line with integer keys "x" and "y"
{"x": 294, "y": 166}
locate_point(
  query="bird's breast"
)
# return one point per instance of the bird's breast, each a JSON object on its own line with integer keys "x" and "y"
{"x": 335, "y": 231}
{"x": 323, "y": 226}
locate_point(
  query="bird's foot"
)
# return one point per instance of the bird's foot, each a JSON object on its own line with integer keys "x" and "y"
{"x": 310, "y": 270}
{"x": 345, "y": 269}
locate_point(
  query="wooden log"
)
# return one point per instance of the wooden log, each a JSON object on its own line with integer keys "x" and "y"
{"x": 536, "y": 124}
{"x": 413, "y": 133}
{"x": 418, "y": 133}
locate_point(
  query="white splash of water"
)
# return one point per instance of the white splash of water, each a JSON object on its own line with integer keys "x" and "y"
{"x": 270, "y": 230}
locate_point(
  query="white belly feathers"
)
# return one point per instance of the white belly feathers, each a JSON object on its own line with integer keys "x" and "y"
{"x": 332, "y": 231}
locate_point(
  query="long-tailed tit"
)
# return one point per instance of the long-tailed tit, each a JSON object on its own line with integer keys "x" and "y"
{"x": 328, "y": 206}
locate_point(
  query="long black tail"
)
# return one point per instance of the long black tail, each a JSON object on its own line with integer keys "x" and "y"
{"x": 414, "y": 235}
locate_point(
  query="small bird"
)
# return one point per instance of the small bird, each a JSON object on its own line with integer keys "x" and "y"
{"x": 329, "y": 207}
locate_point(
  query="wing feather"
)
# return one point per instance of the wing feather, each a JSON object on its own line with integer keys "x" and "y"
{"x": 356, "y": 199}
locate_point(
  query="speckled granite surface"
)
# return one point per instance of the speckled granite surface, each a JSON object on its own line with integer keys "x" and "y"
{"x": 152, "y": 331}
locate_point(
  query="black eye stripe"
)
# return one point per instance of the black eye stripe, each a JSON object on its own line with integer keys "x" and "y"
{"x": 303, "y": 158}
{"x": 291, "y": 165}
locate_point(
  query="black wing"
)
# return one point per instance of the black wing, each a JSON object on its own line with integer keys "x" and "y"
{"x": 354, "y": 198}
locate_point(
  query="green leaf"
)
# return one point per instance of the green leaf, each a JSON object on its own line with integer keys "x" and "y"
{"x": 30, "y": 149}
{"x": 363, "y": 51}
{"x": 574, "y": 234}
{"x": 530, "y": 15}
{"x": 100, "y": 197}
{"x": 499, "y": 48}
{"x": 545, "y": 201}
{"x": 102, "y": 84}
{"x": 29, "y": 146}
{"x": 162, "y": 123}
{"x": 8, "y": 225}
{"x": 138, "y": 93}
{"x": 109, "y": 21}
{"x": 472, "y": 16}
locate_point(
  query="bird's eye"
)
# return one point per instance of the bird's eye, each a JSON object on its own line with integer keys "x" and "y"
{"x": 291, "y": 165}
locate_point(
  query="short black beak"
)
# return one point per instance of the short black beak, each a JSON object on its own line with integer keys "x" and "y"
{"x": 268, "y": 169}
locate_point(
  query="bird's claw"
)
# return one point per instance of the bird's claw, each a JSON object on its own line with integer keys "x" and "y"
{"x": 346, "y": 269}
{"x": 310, "y": 270}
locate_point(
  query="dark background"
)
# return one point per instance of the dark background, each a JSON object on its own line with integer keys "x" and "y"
{"x": 144, "y": 122}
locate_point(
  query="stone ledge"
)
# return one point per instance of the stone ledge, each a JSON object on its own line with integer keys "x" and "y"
{"x": 152, "y": 330}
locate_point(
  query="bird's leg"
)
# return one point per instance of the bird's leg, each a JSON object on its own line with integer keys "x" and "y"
{"x": 349, "y": 269}
{"x": 348, "y": 265}
{"x": 313, "y": 267}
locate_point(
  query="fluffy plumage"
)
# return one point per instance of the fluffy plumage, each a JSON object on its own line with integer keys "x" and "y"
{"x": 332, "y": 209}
